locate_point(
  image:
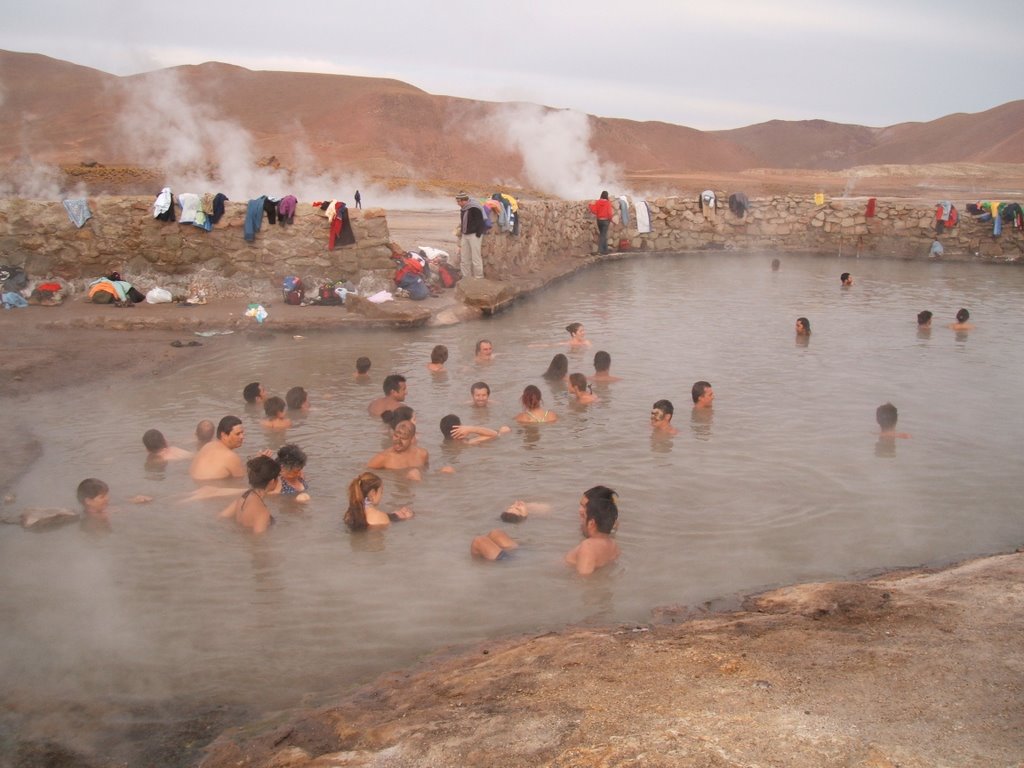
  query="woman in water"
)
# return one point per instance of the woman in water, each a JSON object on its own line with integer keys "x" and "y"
{"x": 580, "y": 389}
{"x": 577, "y": 336}
{"x": 803, "y": 326}
{"x": 293, "y": 478}
{"x": 364, "y": 494}
{"x": 533, "y": 413}
{"x": 558, "y": 369}
{"x": 250, "y": 509}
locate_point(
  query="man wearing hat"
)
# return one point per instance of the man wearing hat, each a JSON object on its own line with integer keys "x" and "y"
{"x": 471, "y": 233}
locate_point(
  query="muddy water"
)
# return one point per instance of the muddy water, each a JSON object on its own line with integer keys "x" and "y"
{"x": 109, "y": 638}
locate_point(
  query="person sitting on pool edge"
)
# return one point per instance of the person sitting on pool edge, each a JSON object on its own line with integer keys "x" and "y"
{"x": 661, "y": 418}
{"x": 598, "y": 549}
{"x": 403, "y": 453}
{"x": 602, "y": 365}
{"x": 250, "y": 509}
{"x": 274, "y": 408}
{"x": 961, "y": 324}
{"x": 886, "y": 416}
{"x": 702, "y": 394}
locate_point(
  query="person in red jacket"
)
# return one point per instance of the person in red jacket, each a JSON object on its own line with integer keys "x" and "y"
{"x": 602, "y": 209}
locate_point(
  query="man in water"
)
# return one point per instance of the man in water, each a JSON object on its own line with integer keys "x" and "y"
{"x": 924, "y": 319}
{"x": 159, "y": 450}
{"x": 205, "y": 430}
{"x": 254, "y": 393}
{"x": 395, "y": 390}
{"x": 886, "y": 416}
{"x": 846, "y": 280}
{"x": 962, "y": 318}
{"x": 703, "y": 395}
{"x": 481, "y": 394}
{"x": 661, "y": 418}
{"x": 452, "y": 428}
{"x": 217, "y": 459}
{"x": 598, "y": 548}
{"x": 484, "y": 351}
{"x": 403, "y": 453}
{"x": 602, "y": 367}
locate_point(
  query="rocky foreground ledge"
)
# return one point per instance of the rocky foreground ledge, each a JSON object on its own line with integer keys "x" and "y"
{"x": 910, "y": 669}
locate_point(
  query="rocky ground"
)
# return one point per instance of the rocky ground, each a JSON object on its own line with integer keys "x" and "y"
{"x": 911, "y": 669}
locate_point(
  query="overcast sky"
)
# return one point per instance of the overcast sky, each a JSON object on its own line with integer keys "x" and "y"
{"x": 707, "y": 65}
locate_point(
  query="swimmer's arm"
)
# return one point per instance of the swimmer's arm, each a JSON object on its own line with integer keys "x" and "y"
{"x": 378, "y": 462}
{"x": 141, "y": 499}
{"x": 586, "y": 563}
{"x": 235, "y": 467}
{"x": 402, "y": 513}
{"x": 229, "y": 510}
{"x": 480, "y": 434}
{"x": 535, "y": 506}
{"x": 261, "y": 525}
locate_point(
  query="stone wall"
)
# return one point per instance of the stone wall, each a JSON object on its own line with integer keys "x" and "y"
{"x": 899, "y": 229}
{"x": 122, "y": 235}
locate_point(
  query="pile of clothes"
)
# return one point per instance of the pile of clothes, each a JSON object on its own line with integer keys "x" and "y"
{"x": 17, "y": 291}
{"x": 999, "y": 213}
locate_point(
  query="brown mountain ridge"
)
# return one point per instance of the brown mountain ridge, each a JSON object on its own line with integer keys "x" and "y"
{"x": 61, "y": 114}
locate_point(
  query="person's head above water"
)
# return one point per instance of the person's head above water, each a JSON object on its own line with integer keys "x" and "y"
{"x": 227, "y": 425}
{"x": 602, "y": 361}
{"x": 274, "y": 406}
{"x": 484, "y": 349}
{"x": 558, "y": 368}
{"x": 480, "y": 393}
{"x": 924, "y": 318}
{"x": 803, "y": 326}
{"x": 702, "y": 394}
{"x": 254, "y": 392}
{"x": 439, "y": 354}
{"x": 448, "y": 423}
{"x": 396, "y": 416}
{"x": 362, "y": 365}
{"x": 262, "y": 471}
{"x": 531, "y": 397}
{"x": 394, "y": 386}
{"x": 204, "y": 431}
{"x": 962, "y": 316}
{"x": 297, "y": 398}
{"x": 290, "y": 456}
{"x": 846, "y": 278}
{"x": 663, "y": 409}
{"x": 154, "y": 440}
{"x": 886, "y": 417}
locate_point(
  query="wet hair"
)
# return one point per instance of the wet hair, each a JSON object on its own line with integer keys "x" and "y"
{"x": 482, "y": 341}
{"x": 362, "y": 364}
{"x": 924, "y": 317}
{"x": 204, "y": 431}
{"x": 296, "y": 397}
{"x": 90, "y": 488}
{"x": 886, "y": 416}
{"x": 604, "y": 512}
{"x": 439, "y": 354}
{"x": 480, "y": 385}
{"x": 511, "y": 517}
{"x": 665, "y": 406}
{"x": 396, "y": 416}
{"x": 290, "y": 456}
{"x": 392, "y": 383}
{"x": 805, "y": 323}
{"x": 962, "y": 316}
{"x": 251, "y": 392}
{"x": 273, "y": 406}
{"x": 358, "y": 489}
{"x": 604, "y": 195}
{"x": 600, "y": 492}
{"x": 844, "y": 277}
{"x": 558, "y": 368}
{"x": 531, "y": 397}
{"x": 602, "y": 361}
{"x": 262, "y": 471}
{"x": 698, "y": 390}
{"x": 154, "y": 440}
{"x": 409, "y": 427}
{"x": 578, "y": 381}
{"x": 572, "y": 328}
{"x": 225, "y": 425}
{"x": 448, "y": 423}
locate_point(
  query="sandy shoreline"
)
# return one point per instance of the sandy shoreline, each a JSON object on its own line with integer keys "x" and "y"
{"x": 915, "y": 668}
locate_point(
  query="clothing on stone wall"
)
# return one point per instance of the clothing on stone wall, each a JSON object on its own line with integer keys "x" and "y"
{"x": 738, "y": 204}
{"x": 708, "y": 203}
{"x": 253, "y": 218}
{"x": 218, "y": 206}
{"x": 341, "y": 227}
{"x": 78, "y": 211}
{"x": 286, "y": 210}
{"x": 270, "y": 208}
{"x": 190, "y": 205}
{"x": 163, "y": 208}
{"x": 624, "y": 210}
{"x": 869, "y": 212}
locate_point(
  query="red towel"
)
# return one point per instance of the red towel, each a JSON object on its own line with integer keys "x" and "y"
{"x": 871, "y": 208}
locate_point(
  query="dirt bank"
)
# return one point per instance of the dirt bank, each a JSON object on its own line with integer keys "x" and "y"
{"x": 910, "y": 669}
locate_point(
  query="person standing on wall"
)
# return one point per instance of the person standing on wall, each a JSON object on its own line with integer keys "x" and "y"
{"x": 359, "y": 199}
{"x": 602, "y": 209}
{"x": 471, "y": 234}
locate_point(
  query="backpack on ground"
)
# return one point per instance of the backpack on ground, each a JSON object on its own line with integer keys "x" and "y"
{"x": 292, "y": 289}
{"x": 449, "y": 274}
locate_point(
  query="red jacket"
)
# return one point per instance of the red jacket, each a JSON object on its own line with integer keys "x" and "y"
{"x": 602, "y": 209}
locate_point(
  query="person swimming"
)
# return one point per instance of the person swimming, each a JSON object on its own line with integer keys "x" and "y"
{"x": 533, "y": 413}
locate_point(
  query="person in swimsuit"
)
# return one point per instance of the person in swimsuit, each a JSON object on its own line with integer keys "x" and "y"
{"x": 602, "y": 366}
{"x": 962, "y": 318}
{"x": 598, "y": 548}
{"x": 250, "y": 509}
{"x": 493, "y": 546}
{"x": 364, "y": 495}
{"x": 558, "y": 369}
{"x": 293, "y": 480}
{"x": 533, "y": 413}
{"x": 274, "y": 407}
{"x": 580, "y": 390}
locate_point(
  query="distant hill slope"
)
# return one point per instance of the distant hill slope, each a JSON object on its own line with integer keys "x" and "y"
{"x": 61, "y": 113}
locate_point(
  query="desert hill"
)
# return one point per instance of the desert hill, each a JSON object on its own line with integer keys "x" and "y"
{"x": 124, "y": 134}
